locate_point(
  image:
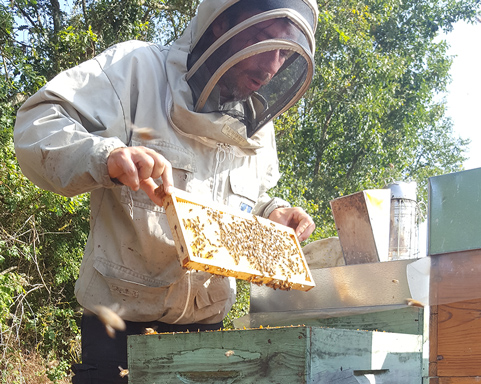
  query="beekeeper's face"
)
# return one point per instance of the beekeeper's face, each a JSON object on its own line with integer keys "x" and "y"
{"x": 247, "y": 76}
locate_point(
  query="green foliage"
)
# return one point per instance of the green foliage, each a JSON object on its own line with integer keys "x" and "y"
{"x": 372, "y": 115}
{"x": 241, "y": 306}
{"x": 42, "y": 236}
{"x": 80, "y": 44}
{"x": 58, "y": 328}
{"x": 11, "y": 285}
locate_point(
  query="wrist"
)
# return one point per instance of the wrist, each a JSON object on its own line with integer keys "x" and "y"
{"x": 274, "y": 204}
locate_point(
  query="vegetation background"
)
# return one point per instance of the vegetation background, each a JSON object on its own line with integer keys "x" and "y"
{"x": 372, "y": 116}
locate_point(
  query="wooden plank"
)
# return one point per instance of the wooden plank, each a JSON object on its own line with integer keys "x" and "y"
{"x": 433, "y": 341}
{"x": 206, "y": 357}
{"x": 458, "y": 380}
{"x": 459, "y": 339}
{"x": 454, "y": 219}
{"x": 386, "y": 357}
{"x": 455, "y": 340}
{"x": 404, "y": 320}
{"x": 455, "y": 277}
{"x": 219, "y": 240}
{"x": 362, "y": 222}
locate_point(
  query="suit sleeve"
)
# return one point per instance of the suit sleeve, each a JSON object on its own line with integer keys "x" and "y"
{"x": 65, "y": 132}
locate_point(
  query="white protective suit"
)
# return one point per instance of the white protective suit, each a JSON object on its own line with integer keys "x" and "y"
{"x": 65, "y": 133}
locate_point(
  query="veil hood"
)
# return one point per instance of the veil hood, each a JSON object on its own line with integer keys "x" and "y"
{"x": 197, "y": 65}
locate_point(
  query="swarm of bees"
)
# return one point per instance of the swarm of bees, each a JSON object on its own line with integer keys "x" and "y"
{"x": 269, "y": 251}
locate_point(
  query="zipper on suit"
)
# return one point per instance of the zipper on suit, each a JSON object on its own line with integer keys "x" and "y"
{"x": 223, "y": 150}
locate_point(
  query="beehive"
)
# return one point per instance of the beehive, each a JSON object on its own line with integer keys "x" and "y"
{"x": 216, "y": 239}
{"x": 292, "y": 355}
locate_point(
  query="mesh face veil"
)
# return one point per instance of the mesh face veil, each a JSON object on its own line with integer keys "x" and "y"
{"x": 254, "y": 61}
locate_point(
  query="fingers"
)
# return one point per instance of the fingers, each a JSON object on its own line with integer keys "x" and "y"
{"x": 305, "y": 228}
{"x": 297, "y": 219}
{"x": 149, "y": 187}
{"x": 167, "y": 179}
{"x": 136, "y": 167}
{"x": 122, "y": 167}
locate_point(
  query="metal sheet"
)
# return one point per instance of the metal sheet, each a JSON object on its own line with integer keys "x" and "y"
{"x": 362, "y": 222}
{"x": 352, "y": 286}
{"x": 454, "y": 217}
{"x": 311, "y": 317}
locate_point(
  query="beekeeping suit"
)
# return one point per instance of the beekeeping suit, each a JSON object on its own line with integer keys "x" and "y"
{"x": 210, "y": 118}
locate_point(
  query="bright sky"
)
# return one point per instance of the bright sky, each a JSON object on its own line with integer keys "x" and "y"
{"x": 463, "y": 96}
{"x": 464, "y": 93}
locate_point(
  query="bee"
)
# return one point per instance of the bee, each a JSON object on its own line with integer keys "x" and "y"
{"x": 414, "y": 303}
{"x": 110, "y": 331}
{"x": 123, "y": 372}
{"x": 229, "y": 353}
{"x": 146, "y": 133}
{"x": 110, "y": 319}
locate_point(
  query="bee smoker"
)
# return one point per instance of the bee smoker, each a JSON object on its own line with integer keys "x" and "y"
{"x": 403, "y": 239}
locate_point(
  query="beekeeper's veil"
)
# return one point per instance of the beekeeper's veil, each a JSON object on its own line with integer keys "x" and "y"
{"x": 248, "y": 61}
{"x": 280, "y": 32}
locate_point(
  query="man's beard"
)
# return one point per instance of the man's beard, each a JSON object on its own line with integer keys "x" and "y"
{"x": 230, "y": 88}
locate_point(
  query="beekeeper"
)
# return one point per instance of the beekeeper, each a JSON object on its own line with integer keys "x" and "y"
{"x": 197, "y": 116}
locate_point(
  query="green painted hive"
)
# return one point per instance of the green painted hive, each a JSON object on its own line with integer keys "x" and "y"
{"x": 276, "y": 355}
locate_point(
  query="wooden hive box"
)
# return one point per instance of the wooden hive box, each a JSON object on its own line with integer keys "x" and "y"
{"x": 454, "y": 244}
{"x": 219, "y": 240}
{"x": 276, "y": 355}
{"x": 454, "y": 332}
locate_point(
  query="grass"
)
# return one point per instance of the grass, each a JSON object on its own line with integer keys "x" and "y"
{"x": 25, "y": 367}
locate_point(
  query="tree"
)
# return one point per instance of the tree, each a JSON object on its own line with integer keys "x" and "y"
{"x": 42, "y": 235}
{"x": 372, "y": 115}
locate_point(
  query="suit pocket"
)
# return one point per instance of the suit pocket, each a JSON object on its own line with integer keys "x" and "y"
{"x": 245, "y": 189}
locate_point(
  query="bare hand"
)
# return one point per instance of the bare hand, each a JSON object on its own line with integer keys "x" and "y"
{"x": 295, "y": 218}
{"x": 137, "y": 167}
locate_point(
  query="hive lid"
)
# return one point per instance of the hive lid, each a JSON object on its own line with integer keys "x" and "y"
{"x": 403, "y": 190}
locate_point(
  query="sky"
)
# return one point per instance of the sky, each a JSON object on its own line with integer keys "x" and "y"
{"x": 464, "y": 92}
{"x": 463, "y": 96}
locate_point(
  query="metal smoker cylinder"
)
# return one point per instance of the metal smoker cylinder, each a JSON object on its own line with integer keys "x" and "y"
{"x": 403, "y": 228}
